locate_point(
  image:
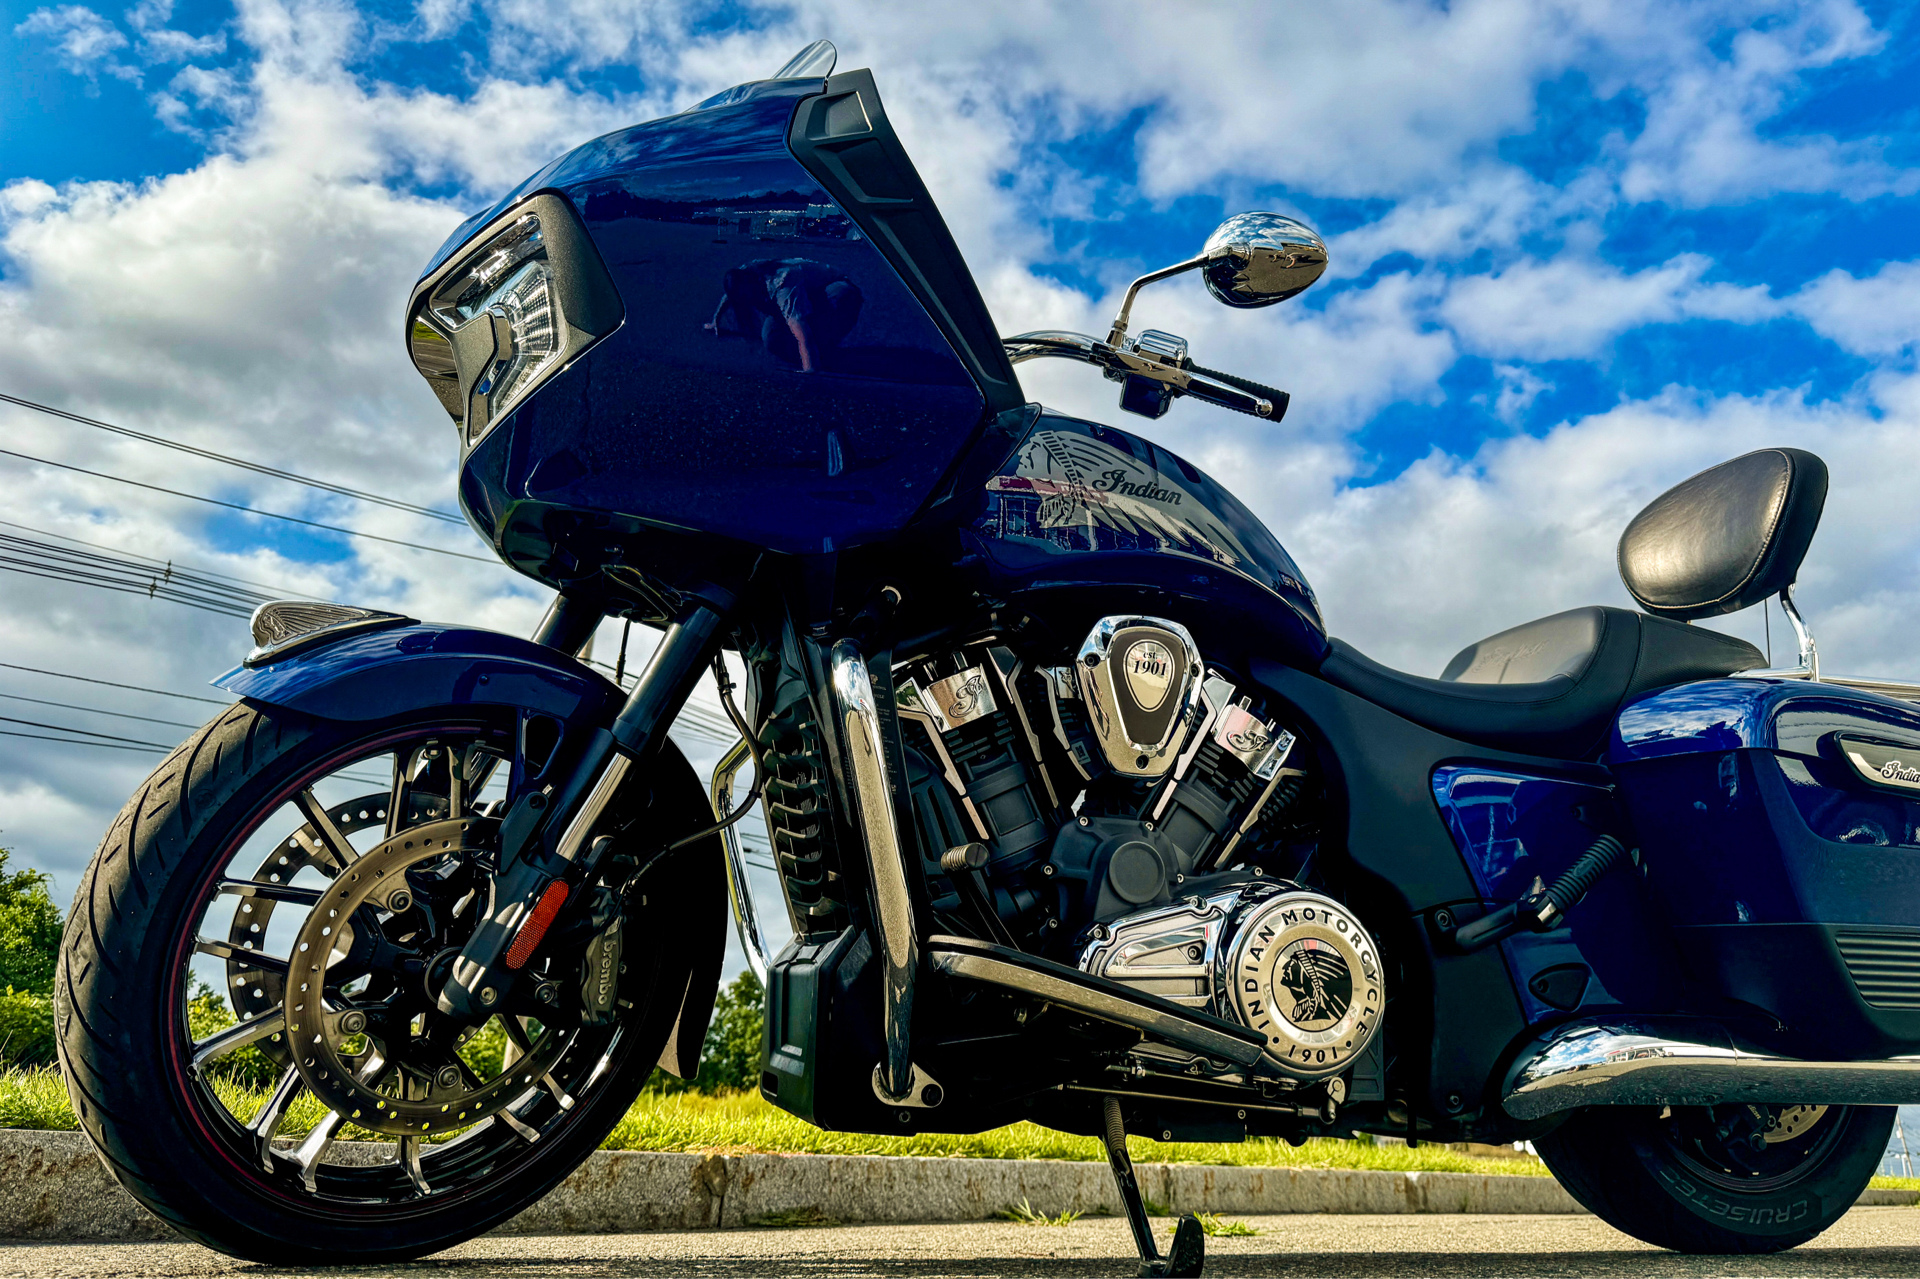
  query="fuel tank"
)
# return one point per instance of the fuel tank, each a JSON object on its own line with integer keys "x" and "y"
{"x": 1081, "y": 516}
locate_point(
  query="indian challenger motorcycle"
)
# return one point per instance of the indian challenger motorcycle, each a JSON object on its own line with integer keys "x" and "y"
{"x": 1080, "y": 815}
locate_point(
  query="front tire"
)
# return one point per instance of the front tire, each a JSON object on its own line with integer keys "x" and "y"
{"x": 161, "y": 922}
{"x": 1724, "y": 1179}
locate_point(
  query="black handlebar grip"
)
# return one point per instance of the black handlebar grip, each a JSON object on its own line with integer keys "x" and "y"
{"x": 1272, "y": 395}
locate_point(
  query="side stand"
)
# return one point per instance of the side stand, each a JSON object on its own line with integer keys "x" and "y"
{"x": 1188, "y": 1252}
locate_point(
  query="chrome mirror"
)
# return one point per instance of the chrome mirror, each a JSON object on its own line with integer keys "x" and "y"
{"x": 1257, "y": 259}
{"x": 1251, "y": 259}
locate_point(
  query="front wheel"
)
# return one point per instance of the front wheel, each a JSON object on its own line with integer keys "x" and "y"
{"x": 246, "y": 1005}
{"x": 1719, "y": 1179}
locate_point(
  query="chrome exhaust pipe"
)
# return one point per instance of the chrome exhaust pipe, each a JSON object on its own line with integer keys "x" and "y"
{"x": 1671, "y": 1061}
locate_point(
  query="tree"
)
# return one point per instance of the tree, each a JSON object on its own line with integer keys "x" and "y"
{"x": 29, "y": 930}
{"x": 730, "y": 1055}
{"x": 29, "y": 951}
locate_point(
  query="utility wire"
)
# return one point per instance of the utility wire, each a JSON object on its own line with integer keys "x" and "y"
{"x": 62, "y": 556}
{"x": 152, "y": 585}
{"x": 112, "y": 746}
{"x": 84, "y": 732}
{"x": 257, "y": 467}
{"x": 250, "y": 510}
{"x": 132, "y": 688}
{"x": 279, "y": 592}
{"x": 94, "y": 710}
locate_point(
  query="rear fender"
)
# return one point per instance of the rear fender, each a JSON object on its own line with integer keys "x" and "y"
{"x": 377, "y": 674}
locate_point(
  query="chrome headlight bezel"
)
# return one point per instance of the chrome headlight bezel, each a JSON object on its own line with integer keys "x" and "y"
{"x": 525, "y": 297}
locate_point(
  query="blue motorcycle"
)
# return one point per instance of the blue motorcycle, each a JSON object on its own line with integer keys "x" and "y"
{"x": 1081, "y": 816}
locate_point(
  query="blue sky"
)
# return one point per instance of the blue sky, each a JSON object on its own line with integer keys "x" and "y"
{"x": 1581, "y": 250}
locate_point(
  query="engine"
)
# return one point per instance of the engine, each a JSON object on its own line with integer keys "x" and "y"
{"x": 1127, "y": 811}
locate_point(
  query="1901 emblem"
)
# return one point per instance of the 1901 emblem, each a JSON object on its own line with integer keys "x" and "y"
{"x": 1148, "y": 666}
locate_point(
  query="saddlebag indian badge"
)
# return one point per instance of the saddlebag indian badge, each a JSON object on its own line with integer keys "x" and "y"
{"x": 1882, "y": 763}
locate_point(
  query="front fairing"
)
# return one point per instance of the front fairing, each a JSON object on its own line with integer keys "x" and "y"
{"x": 698, "y": 415}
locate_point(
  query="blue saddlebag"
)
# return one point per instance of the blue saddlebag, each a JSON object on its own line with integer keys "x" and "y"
{"x": 1780, "y": 828}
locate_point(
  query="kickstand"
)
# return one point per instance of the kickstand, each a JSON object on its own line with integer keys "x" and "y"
{"x": 1189, "y": 1248}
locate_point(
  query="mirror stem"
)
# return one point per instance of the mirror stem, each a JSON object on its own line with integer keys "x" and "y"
{"x": 1118, "y": 336}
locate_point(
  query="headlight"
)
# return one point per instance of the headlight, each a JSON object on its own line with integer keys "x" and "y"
{"x": 497, "y": 321}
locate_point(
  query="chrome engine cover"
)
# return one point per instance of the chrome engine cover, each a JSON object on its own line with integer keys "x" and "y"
{"x": 1141, "y": 680}
{"x": 1293, "y": 964}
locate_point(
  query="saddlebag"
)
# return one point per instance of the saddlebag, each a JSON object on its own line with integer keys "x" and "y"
{"x": 1779, "y": 825}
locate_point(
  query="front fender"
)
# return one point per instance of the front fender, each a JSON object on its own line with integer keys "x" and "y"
{"x": 376, "y": 674}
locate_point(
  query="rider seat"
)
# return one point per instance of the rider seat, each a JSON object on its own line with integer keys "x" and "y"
{"x": 1731, "y": 536}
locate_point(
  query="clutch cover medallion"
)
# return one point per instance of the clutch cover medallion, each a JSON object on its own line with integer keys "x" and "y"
{"x": 1304, "y": 973}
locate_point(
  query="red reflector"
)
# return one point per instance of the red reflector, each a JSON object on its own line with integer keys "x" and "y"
{"x": 528, "y": 939}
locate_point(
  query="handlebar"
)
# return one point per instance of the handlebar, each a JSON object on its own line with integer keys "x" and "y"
{"x": 1242, "y": 395}
{"x": 1277, "y": 398}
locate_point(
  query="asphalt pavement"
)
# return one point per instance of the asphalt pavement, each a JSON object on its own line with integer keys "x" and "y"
{"x": 1868, "y": 1241}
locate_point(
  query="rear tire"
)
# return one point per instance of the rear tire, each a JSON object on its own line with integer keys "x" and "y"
{"x": 125, "y": 978}
{"x": 1690, "y": 1179}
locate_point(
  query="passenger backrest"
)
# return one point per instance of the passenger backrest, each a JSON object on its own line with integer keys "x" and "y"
{"x": 1731, "y": 536}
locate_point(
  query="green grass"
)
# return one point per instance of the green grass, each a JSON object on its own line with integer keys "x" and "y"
{"x": 742, "y": 1123}
{"x": 1028, "y": 1215}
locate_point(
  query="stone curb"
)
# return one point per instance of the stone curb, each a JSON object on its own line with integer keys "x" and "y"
{"x": 53, "y": 1187}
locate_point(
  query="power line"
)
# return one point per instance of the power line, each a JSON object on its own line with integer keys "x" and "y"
{"x": 280, "y": 592}
{"x": 68, "y": 741}
{"x": 132, "y": 688}
{"x": 84, "y": 732}
{"x": 257, "y": 467}
{"x": 250, "y": 510}
{"x": 94, "y": 710}
{"x": 87, "y": 569}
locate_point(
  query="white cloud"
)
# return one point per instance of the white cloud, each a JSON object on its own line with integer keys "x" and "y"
{"x": 86, "y": 41}
{"x": 1873, "y": 315}
{"x": 251, "y": 304}
{"x": 1571, "y": 308}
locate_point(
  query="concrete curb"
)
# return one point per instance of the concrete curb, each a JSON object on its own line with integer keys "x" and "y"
{"x": 53, "y": 1187}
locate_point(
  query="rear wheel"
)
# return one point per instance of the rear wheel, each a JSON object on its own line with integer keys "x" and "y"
{"x": 246, "y": 1005}
{"x": 1719, "y": 1179}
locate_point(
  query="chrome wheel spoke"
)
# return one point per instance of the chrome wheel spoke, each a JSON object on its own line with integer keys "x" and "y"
{"x": 271, "y": 892}
{"x": 559, "y": 1094}
{"x": 238, "y": 1035}
{"x": 410, "y": 1160}
{"x": 409, "y": 1147}
{"x": 273, "y": 1114}
{"x": 323, "y": 826}
{"x": 313, "y": 1148}
{"x": 242, "y": 955}
{"x": 516, "y": 1034}
{"x": 520, "y": 1127}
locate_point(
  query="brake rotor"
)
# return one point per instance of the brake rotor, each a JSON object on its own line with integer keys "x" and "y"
{"x": 436, "y": 1092}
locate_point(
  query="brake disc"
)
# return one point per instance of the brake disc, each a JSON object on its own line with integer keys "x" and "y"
{"x": 419, "y": 1086}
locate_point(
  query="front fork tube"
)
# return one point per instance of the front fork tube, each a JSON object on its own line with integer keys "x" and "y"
{"x": 896, "y": 1080}
{"x": 542, "y": 869}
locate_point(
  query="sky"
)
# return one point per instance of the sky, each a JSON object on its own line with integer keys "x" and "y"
{"x": 1580, "y": 251}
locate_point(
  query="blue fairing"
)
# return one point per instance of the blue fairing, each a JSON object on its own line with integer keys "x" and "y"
{"x": 386, "y": 673}
{"x": 722, "y": 432}
{"x": 1517, "y": 831}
